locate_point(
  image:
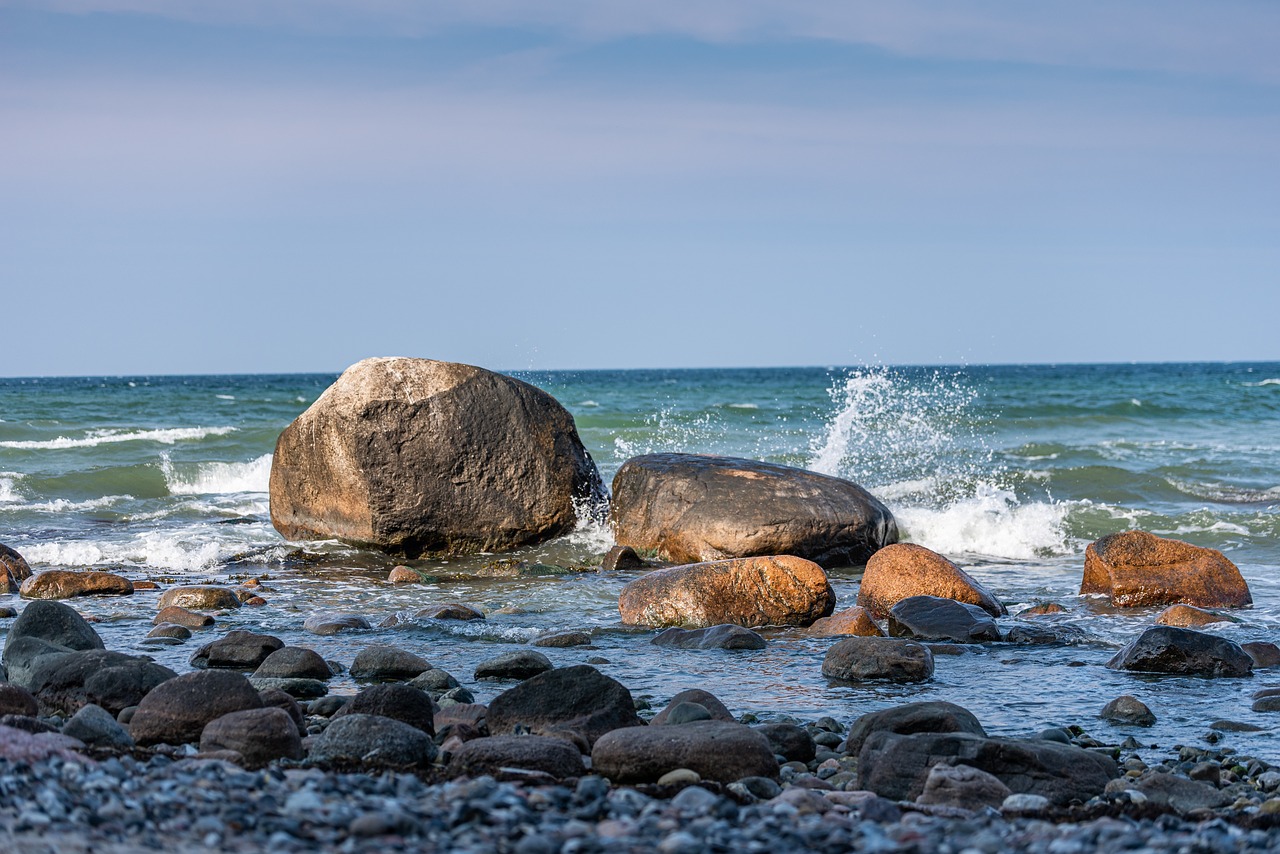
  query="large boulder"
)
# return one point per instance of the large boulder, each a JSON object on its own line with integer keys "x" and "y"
{"x": 897, "y": 766}
{"x": 64, "y": 584}
{"x": 901, "y": 570}
{"x": 858, "y": 659}
{"x": 939, "y": 619}
{"x": 578, "y": 700}
{"x": 690, "y": 508}
{"x": 259, "y": 735}
{"x": 414, "y": 457}
{"x": 926, "y": 716}
{"x": 45, "y": 628}
{"x": 756, "y": 591}
{"x": 1136, "y": 568}
{"x": 373, "y": 740}
{"x": 66, "y": 682}
{"x": 177, "y": 711}
{"x": 1167, "y": 649}
{"x": 715, "y": 750}
{"x": 237, "y": 650}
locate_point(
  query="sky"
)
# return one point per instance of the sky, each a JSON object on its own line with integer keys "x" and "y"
{"x": 231, "y": 186}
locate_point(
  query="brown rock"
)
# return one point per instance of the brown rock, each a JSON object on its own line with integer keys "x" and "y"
{"x": 176, "y": 616}
{"x": 450, "y": 611}
{"x": 200, "y": 597}
{"x": 1136, "y": 568}
{"x": 16, "y": 700}
{"x": 413, "y": 457}
{"x": 715, "y": 750}
{"x": 903, "y": 570}
{"x": 333, "y": 622}
{"x": 1264, "y": 653}
{"x": 622, "y": 557}
{"x": 851, "y": 621}
{"x": 64, "y": 584}
{"x": 403, "y": 575}
{"x": 492, "y": 755}
{"x": 170, "y": 630}
{"x": 756, "y": 591}
{"x": 690, "y": 508}
{"x": 13, "y": 570}
{"x": 176, "y": 711}
{"x": 1042, "y": 610}
{"x": 145, "y": 585}
{"x": 1190, "y": 617}
{"x": 258, "y": 735}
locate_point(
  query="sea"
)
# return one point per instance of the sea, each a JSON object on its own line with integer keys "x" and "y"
{"x": 1010, "y": 471}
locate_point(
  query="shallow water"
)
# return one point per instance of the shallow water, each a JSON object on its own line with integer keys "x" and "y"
{"x": 1010, "y": 471}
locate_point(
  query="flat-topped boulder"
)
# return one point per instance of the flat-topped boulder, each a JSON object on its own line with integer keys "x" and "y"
{"x": 415, "y": 457}
{"x": 940, "y": 619}
{"x": 715, "y": 750}
{"x": 756, "y": 591}
{"x": 65, "y": 584}
{"x": 690, "y": 508}
{"x": 1135, "y": 568}
{"x": 1168, "y": 649}
{"x": 902, "y": 570}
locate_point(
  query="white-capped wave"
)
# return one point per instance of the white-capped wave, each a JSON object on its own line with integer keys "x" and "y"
{"x": 992, "y": 523}
{"x": 8, "y": 492}
{"x": 225, "y": 396}
{"x": 588, "y": 403}
{"x": 218, "y": 478}
{"x": 153, "y": 550}
{"x": 742, "y": 405}
{"x": 62, "y": 505}
{"x": 1268, "y": 381}
{"x": 95, "y": 438}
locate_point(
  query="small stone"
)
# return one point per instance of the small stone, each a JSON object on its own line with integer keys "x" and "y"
{"x": 96, "y": 727}
{"x": 1264, "y": 653}
{"x": 724, "y": 636}
{"x": 962, "y": 786}
{"x": 684, "y": 713}
{"x": 199, "y": 598}
{"x": 294, "y": 662}
{"x": 1128, "y": 710}
{"x": 170, "y": 630}
{"x": 331, "y": 623}
{"x": 387, "y": 663}
{"x": 403, "y": 575}
{"x": 622, "y": 557}
{"x": 563, "y": 639}
{"x": 1024, "y": 804}
{"x": 680, "y": 777}
{"x": 177, "y": 616}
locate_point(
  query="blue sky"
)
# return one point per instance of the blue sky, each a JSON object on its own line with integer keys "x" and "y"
{"x": 257, "y": 185}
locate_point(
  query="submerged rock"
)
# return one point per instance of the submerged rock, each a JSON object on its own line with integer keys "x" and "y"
{"x": 1166, "y": 649}
{"x": 713, "y": 637}
{"x": 691, "y": 508}
{"x": 450, "y": 611}
{"x": 903, "y": 570}
{"x": 414, "y": 457}
{"x": 1128, "y": 710}
{"x": 755, "y": 591}
{"x": 64, "y": 584}
{"x": 715, "y": 750}
{"x": 936, "y": 618}
{"x": 1189, "y": 617}
{"x": 1136, "y": 568}
{"x": 331, "y": 623}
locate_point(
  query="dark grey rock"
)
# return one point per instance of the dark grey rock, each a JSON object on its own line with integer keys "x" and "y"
{"x": 387, "y": 663}
{"x": 929, "y": 716}
{"x": 554, "y": 756}
{"x": 237, "y": 650}
{"x": 373, "y": 740}
{"x": 962, "y": 786}
{"x": 112, "y": 680}
{"x": 96, "y": 727}
{"x": 857, "y": 659}
{"x": 397, "y": 701}
{"x": 578, "y": 699}
{"x": 726, "y": 636}
{"x": 519, "y": 664}
{"x": 1167, "y": 649}
{"x": 698, "y": 697}
{"x": 1128, "y": 710}
{"x": 716, "y": 750}
{"x": 176, "y": 711}
{"x": 789, "y": 741}
{"x": 684, "y": 713}
{"x": 936, "y": 618}
{"x": 258, "y": 735}
{"x": 294, "y": 662}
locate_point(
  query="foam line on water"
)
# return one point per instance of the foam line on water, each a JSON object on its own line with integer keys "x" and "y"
{"x": 992, "y": 522}
{"x": 217, "y": 477}
{"x": 94, "y": 438}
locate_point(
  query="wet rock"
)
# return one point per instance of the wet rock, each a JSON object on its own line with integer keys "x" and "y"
{"x": 851, "y": 621}
{"x": 1044, "y": 635}
{"x": 16, "y": 700}
{"x": 691, "y": 508}
{"x": 434, "y": 681}
{"x": 716, "y": 750}
{"x": 387, "y": 663}
{"x": 857, "y": 659}
{"x": 112, "y": 680}
{"x": 1264, "y": 653}
{"x": 929, "y": 716}
{"x": 373, "y": 740}
{"x": 403, "y": 575}
{"x": 793, "y": 743}
{"x": 896, "y": 766}
{"x": 1235, "y": 726}
{"x": 714, "y": 637}
{"x": 182, "y": 617}
{"x": 302, "y": 689}
{"x": 519, "y": 664}
{"x": 331, "y": 623}
{"x": 563, "y": 639}
{"x": 578, "y": 699}
{"x": 554, "y": 756}
{"x": 198, "y": 598}
{"x": 622, "y": 557}
{"x": 64, "y": 584}
{"x": 1128, "y": 710}
{"x": 1173, "y": 791}
{"x": 294, "y": 662}
{"x": 450, "y": 611}
{"x": 1189, "y": 616}
{"x": 237, "y": 650}
{"x": 1166, "y": 649}
{"x": 176, "y": 711}
{"x": 327, "y": 707}
{"x": 97, "y": 727}
{"x": 962, "y": 786}
{"x": 1266, "y": 704}
{"x": 170, "y": 630}
{"x": 1136, "y": 568}
{"x": 14, "y": 569}
{"x": 755, "y": 591}
{"x": 7, "y": 613}
{"x": 903, "y": 570}
{"x": 935, "y": 618}
{"x": 694, "y": 696}
{"x": 413, "y": 457}
{"x": 259, "y": 735}
{"x": 397, "y": 701}
{"x": 1042, "y": 610}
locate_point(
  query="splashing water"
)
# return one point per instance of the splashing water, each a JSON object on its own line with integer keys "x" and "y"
{"x": 218, "y": 477}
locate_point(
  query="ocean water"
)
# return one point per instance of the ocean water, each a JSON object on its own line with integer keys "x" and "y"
{"x": 1009, "y": 470}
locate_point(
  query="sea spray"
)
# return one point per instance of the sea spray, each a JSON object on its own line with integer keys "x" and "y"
{"x": 211, "y": 478}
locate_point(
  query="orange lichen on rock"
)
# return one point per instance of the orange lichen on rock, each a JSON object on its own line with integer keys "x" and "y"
{"x": 903, "y": 570}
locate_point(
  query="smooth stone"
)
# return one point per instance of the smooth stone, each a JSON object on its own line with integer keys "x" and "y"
{"x": 713, "y": 637}
{"x": 680, "y": 777}
{"x": 332, "y": 623}
{"x": 935, "y": 716}
{"x": 903, "y": 570}
{"x": 294, "y": 662}
{"x": 1264, "y": 653}
{"x": 1170, "y": 790}
{"x": 389, "y": 663}
{"x": 237, "y": 650}
{"x": 716, "y": 750}
{"x": 97, "y": 727}
{"x": 1266, "y": 704}
{"x": 855, "y": 621}
{"x": 1190, "y": 617}
{"x": 176, "y": 711}
{"x": 65, "y": 584}
{"x": 301, "y": 688}
{"x": 1235, "y": 726}
{"x": 779, "y": 590}
{"x": 199, "y": 598}
{"x": 697, "y": 697}
{"x": 1044, "y": 635}
{"x": 935, "y": 618}
{"x": 622, "y": 558}
{"x": 858, "y": 659}
{"x": 1128, "y": 710}
{"x": 962, "y": 786}
{"x": 397, "y": 701}
{"x": 579, "y": 700}
{"x": 563, "y": 639}
{"x": 1024, "y": 805}
{"x": 684, "y": 713}
{"x": 258, "y": 735}
{"x": 553, "y": 756}
{"x": 171, "y": 631}
{"x": 108, "y": 679}
{"x": 792, "y": 742}
{"x": 16, "y": 700}
{"x": 403, "y": 575}
{"x": 434, "y": 681}
{"x": 283, "y": 700}
{"x": 57, "y": 626}
{"x": 518, "y": 664}
{"x": 182, "y": 617}
{"x": 1136, "y": 568}
{"x": 1166, "y": 649}
{"x": 373, "y": 740}
{"x": 450, "y": 611}
{"x": 14, "y": 570}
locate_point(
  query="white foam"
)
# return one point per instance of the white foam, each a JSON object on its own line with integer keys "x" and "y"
{"x": 95, "y": 438}
{"x": 743, "y": 406}
{"x": 588, "y": 403}
{"x": 1268, "y": 381}
{"x": 225, "y": 396}
{"x": 218, "y": 478}
{"x": 62, "y": 505}
{"x": 991, "y": 523}
{"x": 174, "y": 551}
{"x": 592, "y": 530}
{"x": 8, "y": 481}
